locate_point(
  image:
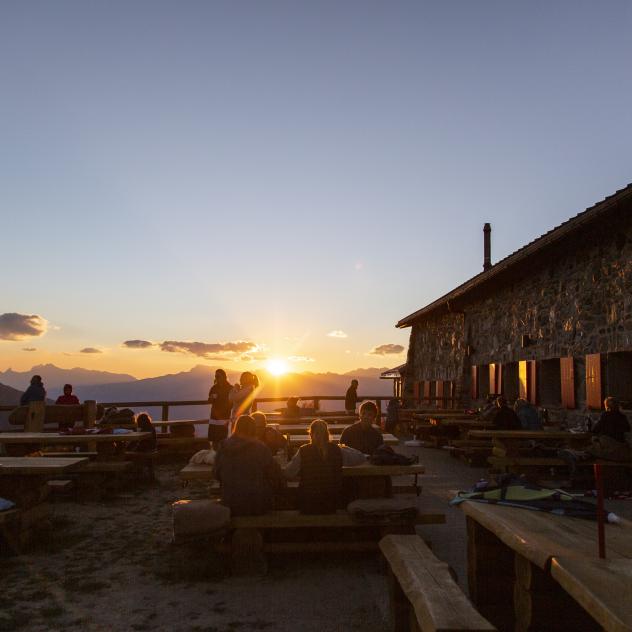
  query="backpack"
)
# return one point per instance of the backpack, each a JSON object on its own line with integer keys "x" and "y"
{"x": 385, "y": 455}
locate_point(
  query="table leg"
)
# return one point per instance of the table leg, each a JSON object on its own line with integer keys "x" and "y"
{"x": 490, "y": 571}
{"x": 542, "y": 605}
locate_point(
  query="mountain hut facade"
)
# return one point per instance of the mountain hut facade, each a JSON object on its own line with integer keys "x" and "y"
{"x": 551, "y": 322}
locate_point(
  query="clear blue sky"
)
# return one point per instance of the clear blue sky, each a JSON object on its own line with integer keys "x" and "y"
{"x": 274, "y": 171}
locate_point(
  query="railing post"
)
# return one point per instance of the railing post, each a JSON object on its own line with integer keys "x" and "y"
{"x": 35, "y": 417}
{"x": 165, "y": 412}
{"x": 89, "y": 413}
{"x": 254, "y": 405}
{"x": 316, "y": 404}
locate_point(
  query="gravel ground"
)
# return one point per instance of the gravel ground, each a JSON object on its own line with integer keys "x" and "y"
{"x": 109, "y": 565}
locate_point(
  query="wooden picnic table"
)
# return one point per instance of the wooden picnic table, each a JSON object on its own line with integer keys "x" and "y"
{"x": 341, "y": 419}
{"x": 300, "y": 439}
{"x": 57, "y": 438}
{"x": 304, "y": 428}
{"x": 510, "y": 551}
{"x": 508, "y": 442}
{"x": 23, "y": 481}
{"x": 601, "y": 587}
{"x": 38, "y": 466}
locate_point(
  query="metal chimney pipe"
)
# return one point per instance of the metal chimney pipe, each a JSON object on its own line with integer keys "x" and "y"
{"x": 487, "y": 247}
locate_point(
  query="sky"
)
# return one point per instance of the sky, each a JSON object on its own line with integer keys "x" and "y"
{"x": 285, "y": 180}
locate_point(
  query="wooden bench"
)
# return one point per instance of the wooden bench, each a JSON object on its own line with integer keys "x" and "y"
{"x": 247, "y": 543}
{"x": 423, "y": 594}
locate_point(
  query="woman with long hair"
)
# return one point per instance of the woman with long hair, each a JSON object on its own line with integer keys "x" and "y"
{"x": 318, "y": 464}
{"x": 243, "y": 394}
{"x": 219, "y": 398}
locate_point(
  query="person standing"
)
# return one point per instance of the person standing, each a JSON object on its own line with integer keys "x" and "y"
{"x": 35, "y": 392}
{"x": 243, "y": 394}
{"x": 351, "y": 397}
{"x": 221, "y": 406}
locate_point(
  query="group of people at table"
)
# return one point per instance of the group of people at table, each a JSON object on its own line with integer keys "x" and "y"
{"x": 245, "y": 465}
{"x": 610, "y": 432}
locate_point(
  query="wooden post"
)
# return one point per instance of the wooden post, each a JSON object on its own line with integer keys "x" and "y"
{"x": 165, "y": 412}
{"x": 601, "y": 536}
{"x": 90, "y": 413}
{"x": 35, "y": 417}
{"x": 378, "y": 403}
{"x": 254, "y": 405}
{"x": 316, "y": 404}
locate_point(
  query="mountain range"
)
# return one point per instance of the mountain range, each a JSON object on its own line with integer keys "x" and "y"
{"x": 188, "y": 385}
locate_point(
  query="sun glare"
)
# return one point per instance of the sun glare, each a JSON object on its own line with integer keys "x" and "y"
{"x": 276, "y": 366}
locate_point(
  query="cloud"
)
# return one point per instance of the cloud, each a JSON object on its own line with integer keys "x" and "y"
{"x": 250, "y": 357}
{"x": 336, "y": 333}
{"x": 206, "y": 350}
{"x": 386, "y": 349}
{"x": 90, "y": 350}
{"x": 21, "y": 326}
{"x": 29, "y": 349}
{"x": 138, "y": 344}
{"x": 301, "y": 359}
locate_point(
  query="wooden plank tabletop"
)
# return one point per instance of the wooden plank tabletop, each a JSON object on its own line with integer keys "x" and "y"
{"x": 519, "y": 435}
{"x": 38, "y": 465}
{"x": 205, "y": 472}
{"x": 601, "y": 587}
{"x": 539, "y": 536}
{"x": 304, "y": 428}
{"x": 56, "y": 438}
{"x": 342, "y": 419}
{"x": 300, "y": 439}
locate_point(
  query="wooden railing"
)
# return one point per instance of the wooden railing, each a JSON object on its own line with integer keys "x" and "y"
{"x": 165, "y": 405}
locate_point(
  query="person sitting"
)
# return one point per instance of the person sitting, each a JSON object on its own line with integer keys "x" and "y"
{"x": 292, "y": 409}
{"x": 609, "y": 441}
{"x": 488, "y": 411}
{"x": 528, "y": 415}
{"x": 247, "y": 473}
{"x": 318, "y": 464}
{"x": 363, "y": 435}
{"x": 270, "y": 437}
{"x": 35, "y": 392}
{"x": 144, "y": 424}
{"x": 505, "y": 418}
{"x": 67, "y": 399}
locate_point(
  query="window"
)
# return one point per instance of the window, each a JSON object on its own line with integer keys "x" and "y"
{"x": 549, "y": 386}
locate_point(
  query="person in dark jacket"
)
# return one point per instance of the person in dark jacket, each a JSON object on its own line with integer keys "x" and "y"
{"x": 247, "y": 473}
{"x": 351, "y": 397}
{"x": 528, "y": 415}
{"x": 319, "y": 467}
{"x": 67, "y": 399}
{"x": 612, "y": 423}
{"x": 271, "y": 437}
{"x": 35, "y": 392}
{"x": 221, "y": 406}
{"x": 363, "y": 435}
{"x": 505, "y": 418}
{"x": 292, "y": 409}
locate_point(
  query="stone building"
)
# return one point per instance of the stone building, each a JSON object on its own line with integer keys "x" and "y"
{"x": 551, "y": 322}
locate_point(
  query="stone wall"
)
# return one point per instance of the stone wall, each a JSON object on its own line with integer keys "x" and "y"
{"x": 573, "y": 300}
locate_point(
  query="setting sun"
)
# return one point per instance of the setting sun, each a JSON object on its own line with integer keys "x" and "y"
{"x": 276, "y": 366}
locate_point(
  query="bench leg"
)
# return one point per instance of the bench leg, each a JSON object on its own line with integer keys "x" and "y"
{"x": 247, "y": 557}
{"x": 400, "y": 606}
